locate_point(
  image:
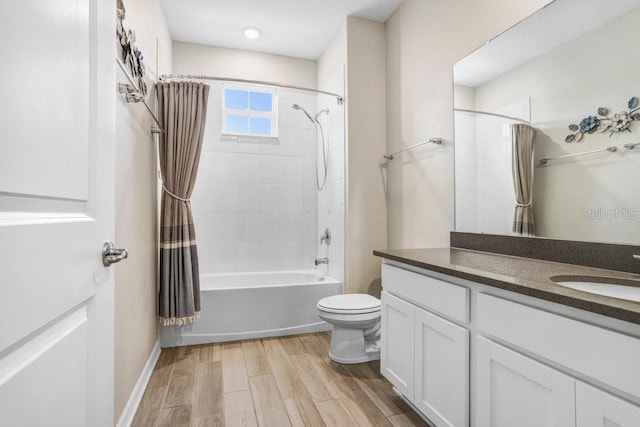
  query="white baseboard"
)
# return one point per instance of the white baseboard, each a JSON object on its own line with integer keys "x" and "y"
{"x": 126, "y": 418}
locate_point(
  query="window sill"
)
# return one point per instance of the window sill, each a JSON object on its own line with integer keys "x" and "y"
{"x": 248, "y": 138}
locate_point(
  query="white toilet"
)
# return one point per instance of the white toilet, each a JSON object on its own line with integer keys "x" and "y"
{"x": 356, "y": 327}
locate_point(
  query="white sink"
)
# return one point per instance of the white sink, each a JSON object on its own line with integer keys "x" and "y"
{"x": 620, "y": 288}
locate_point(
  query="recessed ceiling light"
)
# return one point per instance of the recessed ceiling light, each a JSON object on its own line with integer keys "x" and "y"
{"x": 251, "y": 32}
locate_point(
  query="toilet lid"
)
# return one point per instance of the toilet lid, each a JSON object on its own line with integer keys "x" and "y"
{"x": 349, "y": 303}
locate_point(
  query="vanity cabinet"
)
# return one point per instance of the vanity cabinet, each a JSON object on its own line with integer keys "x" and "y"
{"x": 515, "y": 390}
{"x": 441, "y": 369}
{"x": 547, "y": 396}
{"x": 396, "y": 347}
{"x": 595, "y": 408}
{"x": 424, "y": 355}
{"x": 530, "y": 363}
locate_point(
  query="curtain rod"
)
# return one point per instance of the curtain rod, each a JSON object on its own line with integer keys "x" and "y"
{"x": 436, "y": 141}
{"x": 339, "y": 98}
{"x": 486, "y": 113}
{"x": 132, "y": 94}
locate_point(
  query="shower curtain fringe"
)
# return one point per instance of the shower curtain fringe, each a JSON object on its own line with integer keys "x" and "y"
{"x": 178, "y": 321}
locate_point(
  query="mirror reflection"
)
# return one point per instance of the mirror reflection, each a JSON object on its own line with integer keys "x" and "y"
{"x": 546, "y": 126}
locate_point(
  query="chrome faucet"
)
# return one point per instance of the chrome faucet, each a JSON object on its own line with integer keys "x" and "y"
{"x": 324, "y": 260}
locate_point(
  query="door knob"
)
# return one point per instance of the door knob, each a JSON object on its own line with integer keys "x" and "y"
{"x": 111, "y": 255}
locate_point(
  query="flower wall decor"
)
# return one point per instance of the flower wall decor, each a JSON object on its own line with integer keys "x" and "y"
{"x": 618, "y": 122}
{"x": 129, "y": 53}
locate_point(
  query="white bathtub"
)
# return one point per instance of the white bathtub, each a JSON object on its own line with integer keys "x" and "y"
{"x": 255, "y": 305}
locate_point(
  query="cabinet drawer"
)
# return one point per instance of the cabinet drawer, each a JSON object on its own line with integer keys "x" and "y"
{"x": 604, "y": 355}
{"x": 437, "y": 295}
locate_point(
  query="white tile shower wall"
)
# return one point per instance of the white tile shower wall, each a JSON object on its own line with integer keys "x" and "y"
{"x": 465, "y": 170}
{"x": 331, "y": 200}
{"x": 254, "y": 201}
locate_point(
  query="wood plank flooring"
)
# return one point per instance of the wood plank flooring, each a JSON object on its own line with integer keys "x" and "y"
{"x": 286, "y": 381}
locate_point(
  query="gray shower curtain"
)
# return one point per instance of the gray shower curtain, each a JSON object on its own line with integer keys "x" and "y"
{"x": 522, "y": 140}
{"x": 182, "y": 111}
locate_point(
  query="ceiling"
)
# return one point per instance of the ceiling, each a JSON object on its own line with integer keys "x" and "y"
{"x": 298, "y": 28}
{"x": 550, "y": 27}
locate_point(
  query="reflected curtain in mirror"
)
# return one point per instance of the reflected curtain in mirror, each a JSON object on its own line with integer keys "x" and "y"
{"x": 522, "y": 140}
{"x": 182, "y": 110}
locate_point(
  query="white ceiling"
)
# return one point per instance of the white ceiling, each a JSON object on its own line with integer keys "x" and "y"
{"x": 298, "y": 28}
{"x": 555, "y": 24}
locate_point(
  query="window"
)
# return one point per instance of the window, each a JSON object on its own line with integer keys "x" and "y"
{"x": 249, "y": 110}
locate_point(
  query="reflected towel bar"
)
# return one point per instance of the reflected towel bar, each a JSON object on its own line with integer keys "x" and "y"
{"x": 611, "y": 149}
{"x": 436, "y": 141}
{"x": 136, "y": 96}
{"x": 631, "y": 146}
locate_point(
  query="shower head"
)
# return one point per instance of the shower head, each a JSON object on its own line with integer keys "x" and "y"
{"x": 297, "y": 107}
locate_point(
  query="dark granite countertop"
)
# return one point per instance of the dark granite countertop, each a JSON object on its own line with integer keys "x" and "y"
{"x": 522, "y": 275}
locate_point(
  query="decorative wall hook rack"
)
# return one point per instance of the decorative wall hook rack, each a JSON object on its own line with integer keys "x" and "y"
{"x": 130, "y": 62}
{"x": 133, "y": 94}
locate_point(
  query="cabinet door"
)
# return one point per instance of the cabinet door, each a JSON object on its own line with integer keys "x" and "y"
{"x": 396, "y": 344}
{"x": 514, "y": 390}
{"x": 441, "y": 370}
{"x": 595, "y": 408}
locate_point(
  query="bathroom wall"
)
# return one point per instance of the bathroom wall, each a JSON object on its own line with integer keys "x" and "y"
{"x": 254, "y": 201}
{"x": 366, "y": 204}
{"x": 358, "y": 48}
{"x": 586, "y": 197}
{"x": 331, "y": 202}
{"x": 135, "y": 279}
{"x": 189, "y": 58}
{"x": 423, "y": 40}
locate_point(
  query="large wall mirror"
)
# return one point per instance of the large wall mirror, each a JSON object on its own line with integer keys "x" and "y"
{"x": 516, "y": 97}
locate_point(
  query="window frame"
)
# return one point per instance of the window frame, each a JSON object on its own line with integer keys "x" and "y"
{"x": 249, "y": 88}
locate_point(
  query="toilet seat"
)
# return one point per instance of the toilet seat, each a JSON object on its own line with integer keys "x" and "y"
{"x": 349, "y": 304}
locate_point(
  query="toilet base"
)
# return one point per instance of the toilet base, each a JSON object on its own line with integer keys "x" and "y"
{"x": 349, "y": 346}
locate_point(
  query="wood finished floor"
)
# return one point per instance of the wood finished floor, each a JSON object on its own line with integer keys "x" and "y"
{"x": 285, "y": 381}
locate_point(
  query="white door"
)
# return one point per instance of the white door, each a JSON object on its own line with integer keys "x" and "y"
{"x": 441, "y": 370}
{"x": 396, "y": 346}
{"x": 57, "y": 120}
{"x": 595, "y": 408}
{"x": 514, "y": 390}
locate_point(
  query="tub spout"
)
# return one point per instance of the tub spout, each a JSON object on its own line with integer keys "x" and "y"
{"x": 324, "y": 260}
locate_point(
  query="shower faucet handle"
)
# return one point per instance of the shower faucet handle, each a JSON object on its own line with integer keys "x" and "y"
{"x": 326, "y": 237}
